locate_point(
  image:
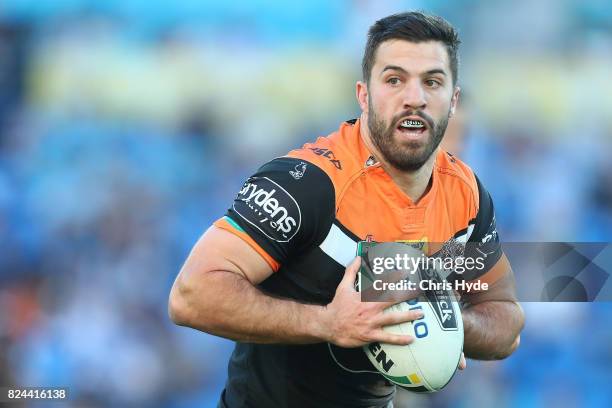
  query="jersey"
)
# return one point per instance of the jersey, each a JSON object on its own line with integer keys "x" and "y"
{"x": 304, "y": 213}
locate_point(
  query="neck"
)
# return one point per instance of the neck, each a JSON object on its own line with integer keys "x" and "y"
{"x": 414, "y": 184}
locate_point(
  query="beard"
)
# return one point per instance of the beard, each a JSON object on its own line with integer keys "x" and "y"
{"x": 405, "y": 156}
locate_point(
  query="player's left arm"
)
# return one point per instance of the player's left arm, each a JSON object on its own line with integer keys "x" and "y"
{"x": 492, "y": 318}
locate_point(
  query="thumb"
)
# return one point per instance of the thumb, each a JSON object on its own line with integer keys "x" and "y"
{"x": 350, "y": 273}
{"x": 462, "y": 362}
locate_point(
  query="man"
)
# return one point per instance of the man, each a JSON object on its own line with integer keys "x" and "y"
{"x": 271, "y": 273}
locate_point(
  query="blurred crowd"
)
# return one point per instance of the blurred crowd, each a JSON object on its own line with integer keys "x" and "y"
{"x": 126, "y": 128}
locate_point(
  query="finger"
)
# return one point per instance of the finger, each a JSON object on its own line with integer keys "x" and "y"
{"x": 390, "y": 338}
{"x": 388, "y": 319}
{"x": 350, "y": 273}
{"x": 462, "y": 362}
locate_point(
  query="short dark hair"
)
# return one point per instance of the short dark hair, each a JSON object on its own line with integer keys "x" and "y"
{"x": 413, "y": 26}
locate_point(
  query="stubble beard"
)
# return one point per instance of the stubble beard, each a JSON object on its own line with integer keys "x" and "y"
{"x": 407, "y": 156}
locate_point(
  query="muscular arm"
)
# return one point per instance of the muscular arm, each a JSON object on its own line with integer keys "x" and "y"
{"x": 215, "y": 293}
{"x": 493, "y": 319}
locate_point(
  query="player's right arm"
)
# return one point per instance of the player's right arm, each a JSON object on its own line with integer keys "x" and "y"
{"x": 216, "y": 290}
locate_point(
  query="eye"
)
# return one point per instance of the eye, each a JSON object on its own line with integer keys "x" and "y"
{"x": 433, "y": 83}
{"x": 393, "y": 81}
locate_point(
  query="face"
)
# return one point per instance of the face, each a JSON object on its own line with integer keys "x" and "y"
{"x": 408, "y": 101}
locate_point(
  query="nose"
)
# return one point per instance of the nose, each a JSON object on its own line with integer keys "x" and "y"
{"x": 414, "y": 95}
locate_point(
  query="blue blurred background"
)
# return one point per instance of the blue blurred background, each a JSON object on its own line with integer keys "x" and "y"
{"x": 127, "y": 127}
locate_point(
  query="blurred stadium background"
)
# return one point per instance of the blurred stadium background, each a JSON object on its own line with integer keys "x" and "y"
{"x": 126, "y": 128}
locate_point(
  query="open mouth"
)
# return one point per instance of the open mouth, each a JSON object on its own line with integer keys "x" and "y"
{"x": 413, "y": 126}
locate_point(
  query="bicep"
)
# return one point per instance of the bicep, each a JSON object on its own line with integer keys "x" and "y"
{"x": 220, "y": 250}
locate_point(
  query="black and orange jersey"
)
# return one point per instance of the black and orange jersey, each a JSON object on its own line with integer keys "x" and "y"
{"x": 304, "y": 213}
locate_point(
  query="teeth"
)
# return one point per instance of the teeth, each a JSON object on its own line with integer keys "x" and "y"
{"x": 412, "y": 124}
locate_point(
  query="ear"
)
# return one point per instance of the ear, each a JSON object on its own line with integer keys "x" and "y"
{"x": 454, "y": 100}
{"x": 362, "y": 96}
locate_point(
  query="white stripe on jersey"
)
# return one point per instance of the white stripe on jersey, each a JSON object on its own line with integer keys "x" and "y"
{"x": 339, "y": 246}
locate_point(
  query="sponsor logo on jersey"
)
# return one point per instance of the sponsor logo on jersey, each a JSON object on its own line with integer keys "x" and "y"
{"x": 420, "y": 244}
{"x": 268, "y": 207}
{"x": 299, "y": 171}
{"x": 328, "y": 154}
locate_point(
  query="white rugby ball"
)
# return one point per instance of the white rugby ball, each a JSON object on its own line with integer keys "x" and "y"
{"x": 428, "y": 363}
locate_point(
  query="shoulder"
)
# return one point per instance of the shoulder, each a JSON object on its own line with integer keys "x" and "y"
{"x": 285, "y": 206}
{"x": 290, "y": 180}
{"x": 461, "y": 185}
{"x": 336, "y": 154}
{"x": 457, "y": 178}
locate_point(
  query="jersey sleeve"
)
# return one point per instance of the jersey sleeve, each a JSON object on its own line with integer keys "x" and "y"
{"x": 484, "y": 244}
{"x": 282, "y": 210}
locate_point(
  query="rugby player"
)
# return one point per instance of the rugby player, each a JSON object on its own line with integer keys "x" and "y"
{"x": 276, "y": 273}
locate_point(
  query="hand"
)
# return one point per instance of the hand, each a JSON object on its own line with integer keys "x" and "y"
{"x": 349, "y": 322}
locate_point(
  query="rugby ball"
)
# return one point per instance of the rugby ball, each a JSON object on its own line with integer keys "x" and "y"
{"x": 431, "y": 360}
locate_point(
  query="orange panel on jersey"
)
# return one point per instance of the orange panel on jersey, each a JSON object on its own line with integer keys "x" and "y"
{"x": 223, "y": 223}
{"x": 368, "y": 202}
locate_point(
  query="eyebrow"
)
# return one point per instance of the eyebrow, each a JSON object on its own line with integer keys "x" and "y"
{"x": 400, "y": 69}
{"x": 436, "y": 71}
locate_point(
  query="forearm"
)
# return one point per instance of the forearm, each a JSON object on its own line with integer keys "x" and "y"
{"x": 226, "y": 304}
{"x": 492, "y": 329}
